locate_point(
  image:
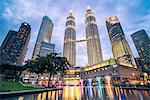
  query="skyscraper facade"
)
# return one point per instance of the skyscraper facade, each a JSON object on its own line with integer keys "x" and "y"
{"x": 120, "y": 48}
{"x": 46, "y": 48}
{"x": 44, "y": 35}
{"x": 139, "y": 64}
{"x": 94, "y": 51}
{"x": 142, "y": 44}
{"x": 69, "y": 49}
{"x": 14, "y": 46}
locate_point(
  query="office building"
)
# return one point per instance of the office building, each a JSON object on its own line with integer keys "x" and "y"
{"x": 14, "y": 46}
{"x": 94, "y": 51}
{"x": 46, "y": 48}
{"x": 44, "y": 35}
{"x": 120, "y": 47}
{"x": 139, "y": 64}
{"x": 142, "y": 44}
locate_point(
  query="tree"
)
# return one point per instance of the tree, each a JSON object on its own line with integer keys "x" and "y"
{"x": 56, "y": 64}
{"x": 63, "y": 64}
{"x": 51, "y": 64}
{"x": 36, "y": 66}
{"x": 11, "y": 71}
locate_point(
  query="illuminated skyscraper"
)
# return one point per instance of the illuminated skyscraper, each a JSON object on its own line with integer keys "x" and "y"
{"x": 14, "y": 46}
{"x": 94, "y": 51}
{"x": 44, "y": 35}
{"x": 69, "y": 50}
{"x": 142, "y": 44}
{"x": 120, "y": 48}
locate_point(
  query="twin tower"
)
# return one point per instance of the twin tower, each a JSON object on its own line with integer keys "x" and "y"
{"x": 94, "y": 51}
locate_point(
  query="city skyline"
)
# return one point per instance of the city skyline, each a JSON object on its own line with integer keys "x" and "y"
{"x": 130, "y": 19}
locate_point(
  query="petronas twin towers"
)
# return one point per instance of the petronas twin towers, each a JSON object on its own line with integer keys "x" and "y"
{"x": 94, "y": 51}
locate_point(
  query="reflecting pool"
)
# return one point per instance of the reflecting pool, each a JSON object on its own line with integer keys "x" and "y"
{"x": 86, "y": 93}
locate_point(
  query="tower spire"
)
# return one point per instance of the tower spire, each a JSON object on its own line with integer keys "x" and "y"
{"x": 88, "y": 7}
{"x": 70, "y": 12}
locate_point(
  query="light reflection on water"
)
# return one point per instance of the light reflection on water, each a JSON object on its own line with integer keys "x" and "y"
{"x": 87, "y": 93}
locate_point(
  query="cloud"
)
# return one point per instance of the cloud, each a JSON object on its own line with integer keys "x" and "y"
{"x": 14, "y": 12}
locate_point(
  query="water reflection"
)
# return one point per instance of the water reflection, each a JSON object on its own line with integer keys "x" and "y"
{"x": 87, "y": 93}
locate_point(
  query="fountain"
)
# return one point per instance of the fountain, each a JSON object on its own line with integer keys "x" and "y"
{"x": 33, "y": 82}
{"x": 89, "y": 82}
{"x": 100, "y": 87}
{"x": 82, "y": 86}
{"x": 53, "y": 83}
{"x": 40, "y": 83}
{"x": 81, "y": 83}
{"x": 67, "y": 83}
{"x": 90, "y": 87}
{"x": 46, "y": 83}
{"x": 59, "y": 84}
{"x": 109, "y": 88}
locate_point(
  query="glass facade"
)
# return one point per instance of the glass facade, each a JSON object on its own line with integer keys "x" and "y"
{"x": 46, "y": 48}
{"x": 69, "y": 49}
{"x": 94, "y": 51}
{"x": 44, "y": 35}
{"x": 120, "y": 47}
{"x": 142, "y": 44}
{"x": 14, "y": 47}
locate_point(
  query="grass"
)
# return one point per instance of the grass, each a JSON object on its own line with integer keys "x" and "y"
{"x": 7, "y": 86}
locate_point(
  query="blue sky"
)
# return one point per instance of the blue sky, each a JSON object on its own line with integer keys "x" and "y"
{"x": 133, "y": 15}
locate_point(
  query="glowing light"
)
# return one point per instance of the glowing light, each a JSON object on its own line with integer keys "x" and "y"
{"x": 100, "y": 87}
{"x": 40, "y": 83}
{"x": 53, "y": 82}
{"x": 20, "y": 98}
{"x": 82, "y": 90}
{"x": 67, "y": 83}
{"x": 46, "y": 83}
{"x": 33, "y": 82}
{"x": 81, "y": 82}
{"x": 109, "y": 88}
{"x": 59, "y": 84}
{"x": 88, "y": 7}
{"x": 70, "y": 11}
{"x": 89, "y": 82}
{"x": 42, "y": 77}
{"x": 104, "y": 63}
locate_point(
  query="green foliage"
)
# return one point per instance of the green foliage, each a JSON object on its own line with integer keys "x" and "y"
{"x": 52, "y": 63}
{"x": 7, "y": 86}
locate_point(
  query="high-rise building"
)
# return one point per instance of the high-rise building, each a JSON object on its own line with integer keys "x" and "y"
{"x": 69, "y": 50}
{"x": 120, "y": 47}
{"x": 139, "y": 64}
{"x": 44, "y": 35}
{"x": 94, "y": 51}
{"x": 14, "y": 46}
{"x": 142, "y": 44}
{"x": 46, "y": 48}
